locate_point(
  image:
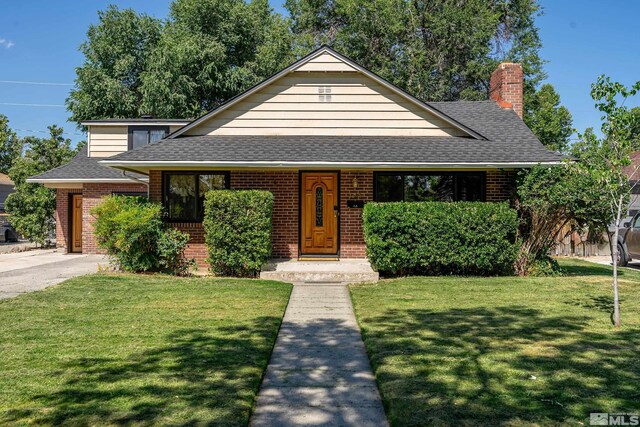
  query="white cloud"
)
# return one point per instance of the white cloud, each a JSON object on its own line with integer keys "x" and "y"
{"x": 6, "y": 43}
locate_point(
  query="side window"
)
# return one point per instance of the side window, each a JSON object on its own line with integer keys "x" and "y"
{"x": 139, "y": 136}
{"x": 636, "y": 222}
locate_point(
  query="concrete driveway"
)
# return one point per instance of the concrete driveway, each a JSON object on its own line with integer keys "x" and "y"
{"x": 34, "y": 270}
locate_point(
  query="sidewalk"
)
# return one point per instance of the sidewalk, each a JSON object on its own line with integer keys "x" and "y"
{"x": 319, "y": 373}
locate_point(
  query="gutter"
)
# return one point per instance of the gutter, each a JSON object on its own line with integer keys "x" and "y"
{"x": 355, "y": 165}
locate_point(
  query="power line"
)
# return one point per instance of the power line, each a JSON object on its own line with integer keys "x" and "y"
{"x": 46, "y": 131}
{"x": 17, "y": 104}
{"x": 35, "y": 83}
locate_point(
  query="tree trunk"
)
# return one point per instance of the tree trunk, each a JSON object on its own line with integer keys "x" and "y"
{"x": 614, "y": 246}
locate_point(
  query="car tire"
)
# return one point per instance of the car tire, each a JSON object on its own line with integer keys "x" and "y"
{"x": 622, "y": 256}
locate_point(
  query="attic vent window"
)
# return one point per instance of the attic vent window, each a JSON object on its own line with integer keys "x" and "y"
{"x": 325, "y": 93}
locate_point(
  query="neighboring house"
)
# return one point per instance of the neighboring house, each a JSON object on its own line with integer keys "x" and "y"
{"x": 7, "y": 233}
{"x": 325, "y": 136}
{"x": 633, "y": 173}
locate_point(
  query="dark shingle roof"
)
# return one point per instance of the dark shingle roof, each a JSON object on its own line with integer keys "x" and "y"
{"x": 83, "y": 167}
{"x": 365, "y": 149}
{"x": 508, "y": 140}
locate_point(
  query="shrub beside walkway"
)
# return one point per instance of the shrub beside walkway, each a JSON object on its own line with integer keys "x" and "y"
{"x": 319, "y": 373}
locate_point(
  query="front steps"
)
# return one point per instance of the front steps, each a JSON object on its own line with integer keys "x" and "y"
{"x": 344, "y": 270}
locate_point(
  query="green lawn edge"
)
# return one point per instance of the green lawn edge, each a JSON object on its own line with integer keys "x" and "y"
{"x": 111, "y": 349}
{"x": 551, "y": 369}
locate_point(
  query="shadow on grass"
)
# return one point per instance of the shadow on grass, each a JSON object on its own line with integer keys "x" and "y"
{"x": 500, "y": 366}
{"x": 200, "y": 377}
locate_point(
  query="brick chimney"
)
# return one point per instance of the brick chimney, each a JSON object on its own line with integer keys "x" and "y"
{"x": 506, "y": 86}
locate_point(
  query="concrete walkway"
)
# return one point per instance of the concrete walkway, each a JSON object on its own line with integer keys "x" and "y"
{"x": 35, "y": 270}
{"x": 319, "y": 373}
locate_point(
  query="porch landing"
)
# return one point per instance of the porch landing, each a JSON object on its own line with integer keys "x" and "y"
{"x": 341, "y": 271}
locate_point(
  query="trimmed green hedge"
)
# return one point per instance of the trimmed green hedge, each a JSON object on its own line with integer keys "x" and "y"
{"x": 132, "y": 232}
{"x": 433, "y": 238}
{"x": 237, "y": 231}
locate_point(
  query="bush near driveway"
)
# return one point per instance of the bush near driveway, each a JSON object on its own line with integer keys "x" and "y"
{"x": 132, "y": 232}
{"x": 466, "y": 238}
{"x": 122, "y": 349}
{"x": 237, "y": 227}
{"x": 503, "y": 351}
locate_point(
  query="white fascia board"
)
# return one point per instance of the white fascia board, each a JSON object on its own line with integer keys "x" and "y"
{"x": 81, "y": 180}
{"x": 150, "y": 122}
{"x": 356, "y": 165}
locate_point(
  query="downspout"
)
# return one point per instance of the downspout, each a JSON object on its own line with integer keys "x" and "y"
{"x": 124, "y": 173}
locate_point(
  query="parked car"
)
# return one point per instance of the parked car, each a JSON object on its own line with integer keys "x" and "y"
{"x": 7, "y": 232}
{"x": 629, "y": 241}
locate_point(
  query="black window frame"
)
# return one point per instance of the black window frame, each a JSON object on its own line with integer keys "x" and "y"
{"x": 147, "y": 128}
{"x": 144, "y": 194}
{"x": 481, "y": 174}
{"x": 165, "y": 192}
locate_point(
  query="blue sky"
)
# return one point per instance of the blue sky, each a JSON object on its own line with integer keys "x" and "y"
{"x": 39, "y": 42}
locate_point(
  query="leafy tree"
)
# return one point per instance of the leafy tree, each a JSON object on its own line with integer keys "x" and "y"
{"x": 437, "y": 50}
{"x": 116, "y": 52}
{"x": 606, "y": 158}
{"x": 549, "y": 121}
{"x": 550, "y": 198}
{"x": 209, "y": 52}
{"x": 10, "y": 145}
{"x": 32, "y": 206}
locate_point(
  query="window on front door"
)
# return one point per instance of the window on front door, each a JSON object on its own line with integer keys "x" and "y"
{"x": 139, "y": 136}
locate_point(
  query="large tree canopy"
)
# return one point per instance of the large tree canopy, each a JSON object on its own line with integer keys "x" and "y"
{"x": 210, "y": 51}
{"x": 436, "y": 50}
{"x": 116, "y": 52}
{"x": 32, "y": 206}
{"x": 551, "y": 122}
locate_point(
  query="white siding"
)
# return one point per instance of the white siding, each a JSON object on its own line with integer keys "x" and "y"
{"x": 325, "y": 103}
{"x": 106, "y": 141}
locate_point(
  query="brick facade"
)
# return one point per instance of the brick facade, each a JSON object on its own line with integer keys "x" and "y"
{"x": 91, "y": 195}
{"x": 351, "y": 235}
{"x": 354, "y": 185}
{"x": 500, "y": 185}
{"x": 62, "y": 217}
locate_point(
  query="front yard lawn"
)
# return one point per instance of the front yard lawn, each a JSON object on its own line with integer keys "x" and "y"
{"x": 125, "y": 349}
{"x": 503, "y": 351}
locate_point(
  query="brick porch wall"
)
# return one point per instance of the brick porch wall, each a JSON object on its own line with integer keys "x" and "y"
{"x": 91, "y": 196}
{"x": 351, "y": 235}
{"x": 284, "y": 186}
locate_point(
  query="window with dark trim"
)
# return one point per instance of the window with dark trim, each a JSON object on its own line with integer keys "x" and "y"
{"x": 139, "y": 136}
{"x": 130, "y": 193}
{"x": 429, "y": 186}
{"x": 183, "y": 193}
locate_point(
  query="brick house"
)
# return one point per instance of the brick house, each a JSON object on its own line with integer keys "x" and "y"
{"x": 325, "y": 136}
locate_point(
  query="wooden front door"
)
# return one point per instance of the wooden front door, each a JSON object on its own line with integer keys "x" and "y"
{"x": 319, "y": 213}
{"x": 76, "y": 223}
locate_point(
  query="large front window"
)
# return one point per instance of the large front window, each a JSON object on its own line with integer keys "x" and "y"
{"x": 184, "y": 193}
{"x": 139, "y": 136}
{"x": 418, "y": 187}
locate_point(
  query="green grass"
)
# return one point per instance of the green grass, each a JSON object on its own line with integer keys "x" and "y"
{"x": 454, "y": 351}
{"x": 137, "y": 350}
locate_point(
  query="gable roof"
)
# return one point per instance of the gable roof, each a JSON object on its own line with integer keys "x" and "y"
{"x": 325, "y": 50}
{"x": 83, "y": 169}
{"x": 509, "y": 143}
